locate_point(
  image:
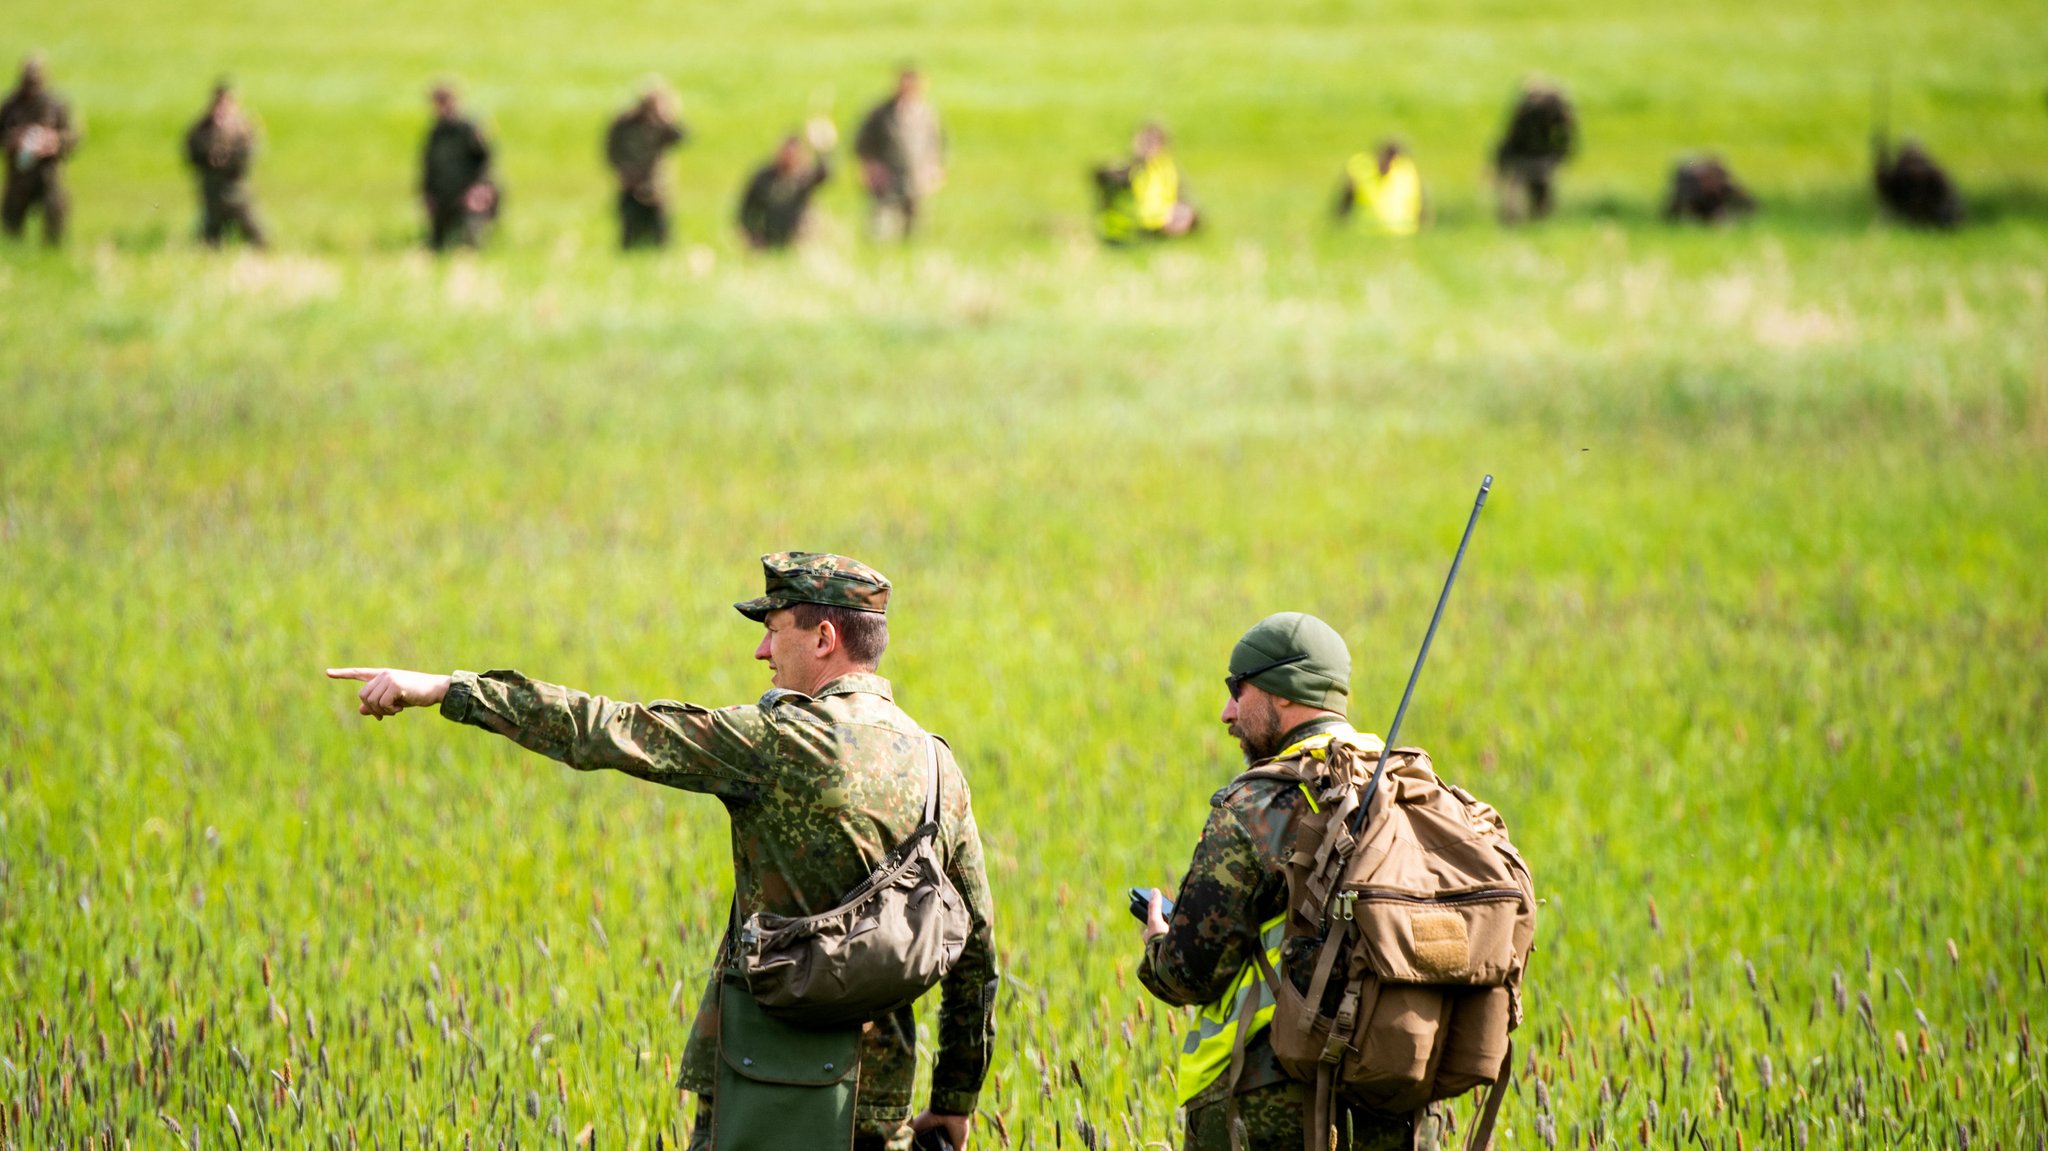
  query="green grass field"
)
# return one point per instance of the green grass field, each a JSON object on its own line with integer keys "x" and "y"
{"x": 1750, "y": 648}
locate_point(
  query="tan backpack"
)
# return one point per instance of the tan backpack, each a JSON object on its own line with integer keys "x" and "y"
{"x": 1405, "y": 945}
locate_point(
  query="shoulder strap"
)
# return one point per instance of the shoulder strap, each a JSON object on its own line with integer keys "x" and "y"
{"x": 932, "y": 781}
{"x": 1482, "y": 1134}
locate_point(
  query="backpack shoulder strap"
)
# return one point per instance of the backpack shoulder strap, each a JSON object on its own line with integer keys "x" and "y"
{"x": 932, "y": 781}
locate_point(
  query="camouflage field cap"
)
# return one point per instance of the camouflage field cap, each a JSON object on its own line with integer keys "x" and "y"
{"x": 817, "y": 577}
{"x": 1295, "y": 656}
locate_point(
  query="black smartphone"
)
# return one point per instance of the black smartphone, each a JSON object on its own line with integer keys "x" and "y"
{"x": 1141, "y": 902}
{"x": 932, "y": 1139}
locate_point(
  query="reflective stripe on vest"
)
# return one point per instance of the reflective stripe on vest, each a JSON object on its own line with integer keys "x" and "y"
{"x": 1205, "y": 1050}
{"x": 1393, "y": 202}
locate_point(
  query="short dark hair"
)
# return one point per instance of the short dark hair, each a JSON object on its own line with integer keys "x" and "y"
{"x": 864, "y": 634}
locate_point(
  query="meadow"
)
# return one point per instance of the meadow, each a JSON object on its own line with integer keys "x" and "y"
{"x": 1749, "y": 649}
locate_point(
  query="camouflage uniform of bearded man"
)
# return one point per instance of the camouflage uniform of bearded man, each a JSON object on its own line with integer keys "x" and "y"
{"x": 821, "y": 778}
{"x": 1290, "y": 677}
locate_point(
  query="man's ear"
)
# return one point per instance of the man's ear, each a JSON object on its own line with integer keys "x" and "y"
{"x": 828, "y": 639}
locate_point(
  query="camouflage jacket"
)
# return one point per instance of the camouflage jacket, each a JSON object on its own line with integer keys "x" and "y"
{"x": 219, "y": 153}
{"x": 1236, "y": 881}
{"x": 905, "y": 138}
{"x": 455, "y": 156}
{"x": 634, "y": 145}
{"x": 818, "y": 790}
{"x": 45, "y": 109}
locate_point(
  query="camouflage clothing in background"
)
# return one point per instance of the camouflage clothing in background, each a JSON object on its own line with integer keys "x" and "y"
{"x": 1915, "y": 188}
{"x": 818, "y": 789}
{"x": 901, "y": 138}
{"x": 773, "y": 208}
{"x": 1706, "y": 191}
{"x": 35, "y": 181}
{"x": 634, "y": 146}
{"x": 455, "y": 159}
{"x": 219, "y": 149}
{"x": 1237, "y": 881}
{"x": 1542, "y": 133}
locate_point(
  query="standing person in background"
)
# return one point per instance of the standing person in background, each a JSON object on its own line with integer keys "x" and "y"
{"x": 1145, "y": 197}
{"x": 37, "y": 130}
{"x": 455, "y": 176}
{"x": 1384, "y": 188}
{"x": 219, "y": 147}
{"x": 777, "y": 199}
{"x": 902, "y": 156}
{"x": 1542, "y": 133}
{"x": 634, "y": 146}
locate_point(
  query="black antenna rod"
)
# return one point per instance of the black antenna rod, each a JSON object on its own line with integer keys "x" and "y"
{"x": 1358, "y": 817}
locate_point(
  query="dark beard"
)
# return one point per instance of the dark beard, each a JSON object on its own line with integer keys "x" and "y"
{"x": 1258, "y": 732}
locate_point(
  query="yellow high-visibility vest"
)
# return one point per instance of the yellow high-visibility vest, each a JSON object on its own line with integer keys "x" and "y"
{"x": 1155, "y": 187}
{"x": 1393, "y": 202}
{"x": 1205, "y": 1049}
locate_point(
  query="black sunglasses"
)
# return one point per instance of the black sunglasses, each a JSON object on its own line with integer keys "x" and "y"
{"x": 1236, "y": 682}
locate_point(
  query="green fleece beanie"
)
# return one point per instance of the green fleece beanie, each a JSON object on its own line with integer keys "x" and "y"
{"x": 1319, "y": 673}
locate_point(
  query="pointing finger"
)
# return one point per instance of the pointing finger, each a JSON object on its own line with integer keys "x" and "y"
{"x": 362, "y": 673}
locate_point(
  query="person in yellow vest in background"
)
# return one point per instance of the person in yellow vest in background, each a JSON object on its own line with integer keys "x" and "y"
{"x": 1385, "y": 189}
{"x": 1146, "y": 197}
{"x": 1289, "y": 683}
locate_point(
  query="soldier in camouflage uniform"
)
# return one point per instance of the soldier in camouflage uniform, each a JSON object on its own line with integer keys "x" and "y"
{"x": 219, "y": 147}
{"x": 821, "y": 779}
{"x": 1914, "y": 188}
{"x": 1542, "y": 133}
{"x": 37, "y": 131}
{"x": 1705, "y": 190}
{"x": 634, "y": 146}
{"x": 1289, "y": 680}
{"x": 902, "y": 156}
{"x": 455, "y": 176}
{"x": 778, "y": 196}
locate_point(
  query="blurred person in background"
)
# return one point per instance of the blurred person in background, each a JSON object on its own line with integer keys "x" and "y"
{"x": 1542, "y": 133}
{"x": 455, "y": 176}
{"x": 1383, "y": 188}
{"x": 219, "y": 147}
{"x": 901, "y": 149}
{"x": 777, "y": 199}
{"x": 1914, "y": 188}
{"x": 39, "y": 134}
{"x": 1144, "y": 198}
{"x": 639, "y": 138}
{"x": 1705, "y": 191}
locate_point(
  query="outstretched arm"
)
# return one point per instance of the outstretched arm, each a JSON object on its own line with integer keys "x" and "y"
{"x": 721, "y": 752}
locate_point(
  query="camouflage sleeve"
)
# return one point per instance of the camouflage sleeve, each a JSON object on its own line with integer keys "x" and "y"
{"x": 871, "y": 142}
{"x": 1215, "y": 921}
{"x": 615, "y": 144}
{"x": 480, "y": 150}
{"x": 967, "y": 1007}
{"x": 722, "y": 752}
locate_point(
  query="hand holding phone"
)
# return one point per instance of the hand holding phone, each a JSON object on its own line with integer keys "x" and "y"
{"x": 1141, "y": 903}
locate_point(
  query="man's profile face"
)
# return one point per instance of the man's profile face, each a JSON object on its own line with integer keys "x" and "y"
{"x": 1254, "y": 720}
{"x": 791, "y": 652}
